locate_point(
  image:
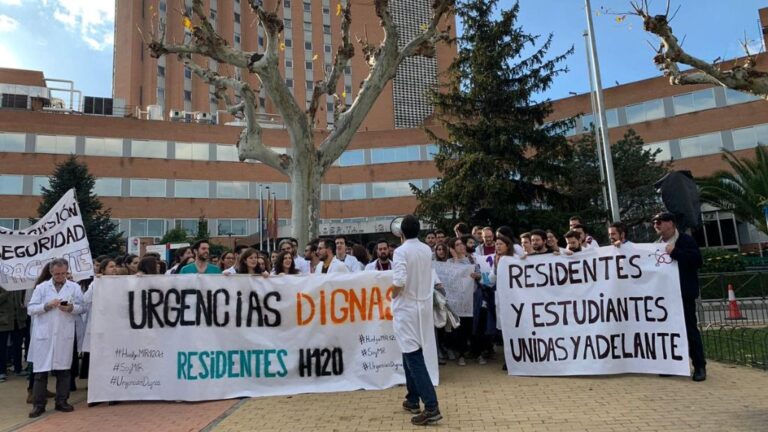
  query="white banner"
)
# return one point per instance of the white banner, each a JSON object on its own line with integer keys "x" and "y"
{"x": 203, "y": 337}
{"x": 59, "y": 234}
{"x": 601, "y": 311}
{"x": 459, "y": 285}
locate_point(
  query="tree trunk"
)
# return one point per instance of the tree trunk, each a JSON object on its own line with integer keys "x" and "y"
{"x": 306, "y": 180}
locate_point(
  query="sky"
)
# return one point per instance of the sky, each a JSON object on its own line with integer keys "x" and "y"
{"x": 73, "y": 39}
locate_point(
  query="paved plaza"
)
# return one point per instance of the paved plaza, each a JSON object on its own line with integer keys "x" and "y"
{"x": 472, "y": 398}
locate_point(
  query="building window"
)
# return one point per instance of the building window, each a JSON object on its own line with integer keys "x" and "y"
{"x": 348, "y": 70}
{"x": 149, "y": 149}
{"x": 646, "y": 111}
{"x": 235, "y": 227}
{"x": 288, "y": 63}
{"x": 432, "y": 150}
{"x": 352, "y": 191}
{"x": 307, "y": 7}
{"x": 288, "y": 42}
{"x": 146, "y": 227}
{"x": 391, "y": 189}
{"x": 287, "y": 4}
{"x": 237, "y": 17}
{"x": 237, "y": 38}
{"x": 664, "y": 155}
{"x": 310, "y": 85}
{"x": 308, "y": 65}
{"x": 152, "y": 188}
{"x": 395, "y": 154}
{"x": 190, "y": 226}
{"x": 12, "y": 142}
{"x": 351, "y": 157}
{"x": 11, "y": 184}
{"x": 162, "y": 6}
{"x": 192, "y": 151}
{"x": 287, "y": 23}
{"x": 38, "y": 183}
{"x": 226, "y": 153}
{"x": 11, "y": 224}
{"x": 326, "y": 11}
{"x": 307, "y": 26}
{"x": 109, "y": 186}
{"x": 696, "y": 101}
{"x": 160, "y": 71}
{"x": 327, "y": 29}
{"x": 55, "y": 144}
{"x": 187, "y": 95}
{"x": 191, "y": 188}
{"x": 103, "y": 146}
{"x": 213, "y": 14}
{"x": 750, "y": 137}
{"x": 187, "y": 73}
{"x": 328, "y": 49}
{"x": 160, "y": 95}
{"x": 700, "y": 145}
{"x": 289, "y": 82}
{"x": 232, "y": 190}
{"x": 733, "y": 97}
{"x": 308, "y": 45}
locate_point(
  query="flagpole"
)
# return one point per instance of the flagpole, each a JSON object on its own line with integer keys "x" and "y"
{"x": 274, "y": 219}
{"x": 611, "y": 180}
{"x": 261, "y": 215}
{"x": 266, "y": 219}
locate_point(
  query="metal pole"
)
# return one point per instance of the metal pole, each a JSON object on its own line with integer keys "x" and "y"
{"x": 261, "y": 220}
{"x": 611, "y": 180}
{"x": 597, "y": 133}
{"x": 269, "y": 246}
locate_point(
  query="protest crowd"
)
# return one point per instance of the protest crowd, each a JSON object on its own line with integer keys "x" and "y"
{"x": 58, "y": 343}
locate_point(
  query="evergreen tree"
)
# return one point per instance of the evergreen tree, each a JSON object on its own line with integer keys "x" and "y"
{"x": 102, "y": 232}
{"x": 202, "y": 230}
{"x": 635, "y": 172}
{"x": 499, "y": 155}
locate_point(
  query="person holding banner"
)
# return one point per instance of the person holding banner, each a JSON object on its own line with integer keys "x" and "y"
{"x": 617, "y": 232}
{"x": 53, "y": 307}
{"x": 682, "y": 248}
{"x": 412, "y": 319}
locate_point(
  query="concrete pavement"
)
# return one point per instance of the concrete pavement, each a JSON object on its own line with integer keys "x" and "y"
{"x": 472, "y": 398}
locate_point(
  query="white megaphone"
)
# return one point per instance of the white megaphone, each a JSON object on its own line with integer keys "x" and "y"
{"x": 394, "y": 226}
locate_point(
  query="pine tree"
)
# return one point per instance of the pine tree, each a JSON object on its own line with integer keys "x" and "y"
{"x": 635, "y": 171}
{"x": 499, "y": 153}
{"x": 102, "y": 232}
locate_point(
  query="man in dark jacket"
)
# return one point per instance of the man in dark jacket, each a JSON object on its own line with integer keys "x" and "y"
{"x": 682, "y": 248}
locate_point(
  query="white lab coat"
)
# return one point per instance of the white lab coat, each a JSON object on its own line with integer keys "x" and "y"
{"x": 412, "y": 309}
{"x": 87, "y": 303}
{"x": 371, "y": 266}
{"x": 335, "y": 267}
{"x": 353, "y": 265}
{"x": 53, "y": 332}
{"x": 302, "y": 265}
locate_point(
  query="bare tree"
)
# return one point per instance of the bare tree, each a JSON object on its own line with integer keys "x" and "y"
{"x": 304, "y": 163}
{"x": 743, "y": 77}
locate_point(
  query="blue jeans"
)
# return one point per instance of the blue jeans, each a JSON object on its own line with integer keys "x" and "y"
{"x": 417, "y": 380}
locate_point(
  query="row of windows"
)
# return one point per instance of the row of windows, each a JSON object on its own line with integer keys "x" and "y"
{"x": 158, "y": 188}
{"x": 711, "y": 143}
{"x": 654, "y": 109}
{"x": 154, "y": 149}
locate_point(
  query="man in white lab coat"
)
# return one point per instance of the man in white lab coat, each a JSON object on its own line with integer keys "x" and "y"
{"x": 412, "y": 319}
{"x": 328, "y": 262}
{"x": 53, "y": 308}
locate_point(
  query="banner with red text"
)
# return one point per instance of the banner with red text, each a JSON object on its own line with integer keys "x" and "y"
{"x": 203, "y": 337}
{"x": 605, "y": 310}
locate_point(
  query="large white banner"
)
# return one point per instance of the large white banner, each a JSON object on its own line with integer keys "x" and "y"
{"x": 202, "y": 337}
{"x": 459, "y": 285}
{"x": 602, "y": 311}
{"x": 59, "y": 234}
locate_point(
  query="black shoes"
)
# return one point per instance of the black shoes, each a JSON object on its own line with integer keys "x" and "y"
{"x": 64, "y": 407}
{"x": 411, "y": 408}
{"x": 699, "y": 374}
{"x": 427, "y": 417}
{"x": 37, "y": 412}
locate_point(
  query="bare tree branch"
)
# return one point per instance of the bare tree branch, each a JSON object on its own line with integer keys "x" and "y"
{"x": 250, "y": 145}
{"x": 344, "y": 53}
{"x": 741, "y": 77}
{"x": 383, "y": 62}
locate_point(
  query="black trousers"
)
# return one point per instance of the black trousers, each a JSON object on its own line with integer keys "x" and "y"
{"x": 695, "y": 346}
{"x": 40, "y": 387}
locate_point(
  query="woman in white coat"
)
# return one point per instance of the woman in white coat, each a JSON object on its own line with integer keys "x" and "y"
{"x": 53, "y": 308}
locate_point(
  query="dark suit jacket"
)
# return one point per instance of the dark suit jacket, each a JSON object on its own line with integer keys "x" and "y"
{"x": 689, "y": 261}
